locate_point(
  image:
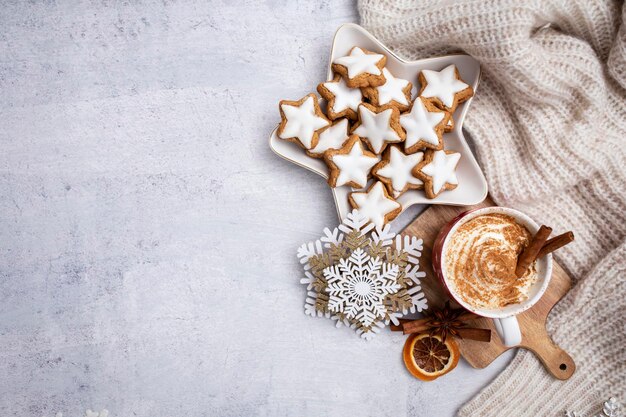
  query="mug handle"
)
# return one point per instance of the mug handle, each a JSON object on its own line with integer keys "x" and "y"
{"x": 508, "y": 330}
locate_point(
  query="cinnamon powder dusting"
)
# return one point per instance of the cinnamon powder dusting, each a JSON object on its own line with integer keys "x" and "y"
{"x": 480, "y": 261}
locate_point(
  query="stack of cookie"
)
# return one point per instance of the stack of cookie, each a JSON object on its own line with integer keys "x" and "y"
{"x": 373, "y": 129}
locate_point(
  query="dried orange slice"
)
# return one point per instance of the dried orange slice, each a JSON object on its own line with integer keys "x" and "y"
{"x": 428, "y": 357}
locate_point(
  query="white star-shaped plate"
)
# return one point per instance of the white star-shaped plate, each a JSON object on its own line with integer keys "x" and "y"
{"x": 472, "y": 188}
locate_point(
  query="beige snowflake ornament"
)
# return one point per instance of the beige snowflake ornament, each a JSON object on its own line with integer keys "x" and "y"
{"x": 362, "y": 276}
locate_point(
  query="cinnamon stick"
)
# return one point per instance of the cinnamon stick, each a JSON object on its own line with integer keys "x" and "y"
{"x": 480, "y": 335}
{"x": 416, "y": 326}
{"x": 529, "y": 254}
{"x": 398, "y": 328}
{"x": 421, "y": 325}
{"x": 555, "y": 243}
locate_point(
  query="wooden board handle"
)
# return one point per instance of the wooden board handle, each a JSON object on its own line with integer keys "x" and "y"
{"x": 556, "y": 360}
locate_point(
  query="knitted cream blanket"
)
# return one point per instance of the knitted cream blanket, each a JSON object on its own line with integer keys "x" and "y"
{"x": 549, "y": 128}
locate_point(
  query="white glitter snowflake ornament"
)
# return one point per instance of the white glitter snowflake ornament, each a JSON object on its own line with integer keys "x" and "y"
{"x": 358, "y": 286}
{"x": 362, "y": 276}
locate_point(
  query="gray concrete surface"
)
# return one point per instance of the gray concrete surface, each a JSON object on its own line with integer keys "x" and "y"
{"x": 148, "y": 234}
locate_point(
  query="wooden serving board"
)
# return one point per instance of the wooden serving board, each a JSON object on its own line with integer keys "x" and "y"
{"x": 532, "y": 322}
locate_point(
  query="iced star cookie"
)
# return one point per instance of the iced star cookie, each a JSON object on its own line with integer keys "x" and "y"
{"x": 438, "y": 171}
{"x": 361, "y": 68}
{"x": 376, "y": 204}
{"x": 350, "y": 165}
{"x": 396, "y": 92}
{"x": 331, "y": 137}
{"x": 444, "y": 88}
{"x": 301, "y": 121}
{"x": 396, "y": 171}
{"x": 343, "y": 101}
{"x": 378, "y": 126}
{"x": 424, "y": 126}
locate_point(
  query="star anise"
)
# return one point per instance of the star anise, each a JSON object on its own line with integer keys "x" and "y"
{"x": 446, "y": 321}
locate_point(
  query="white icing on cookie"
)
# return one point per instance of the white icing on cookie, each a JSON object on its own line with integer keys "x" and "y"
{"x": 442, "y": 169}
{"x": 358, "y": 62}
{"x": 376, "y": 128}
{"x": 374, "y": 204}
{"x": 443, "y": 84}
{"x": 345, "y": 97}
{"x": 399, "y": 170}
{"x": 420, "y": 124}
{"x": 354, "y": 166}
{"x": 393, "y": 89}
{"x": 332, "y": 137}
{"x": 302, "y": 122}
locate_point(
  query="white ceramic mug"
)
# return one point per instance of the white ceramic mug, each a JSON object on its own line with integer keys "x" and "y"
{"x": 504, "y": 318}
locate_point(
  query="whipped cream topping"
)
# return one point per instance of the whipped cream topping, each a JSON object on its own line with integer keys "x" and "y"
{"x": 480, "y": 261}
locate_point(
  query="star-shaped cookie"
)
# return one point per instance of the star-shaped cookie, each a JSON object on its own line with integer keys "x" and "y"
{"x": 444, "y": 88}
{"x": 396, "y": 170}
{"x": 396, "y": 92}
{"x": 424, "y": 126}
{"x": 301, "y": 121}
{"x": 438, "y": 171}
{"x": 376, "y": 204}
{"x": 378, "y": 126}
{"x": 343, "y": 101}
{"x": 350, "y": 165}
{"x": 331, "y": 137}
{"x": 361, "y": 68}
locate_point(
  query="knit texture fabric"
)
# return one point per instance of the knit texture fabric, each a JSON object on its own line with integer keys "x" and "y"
{"x": 549, "y": 127}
